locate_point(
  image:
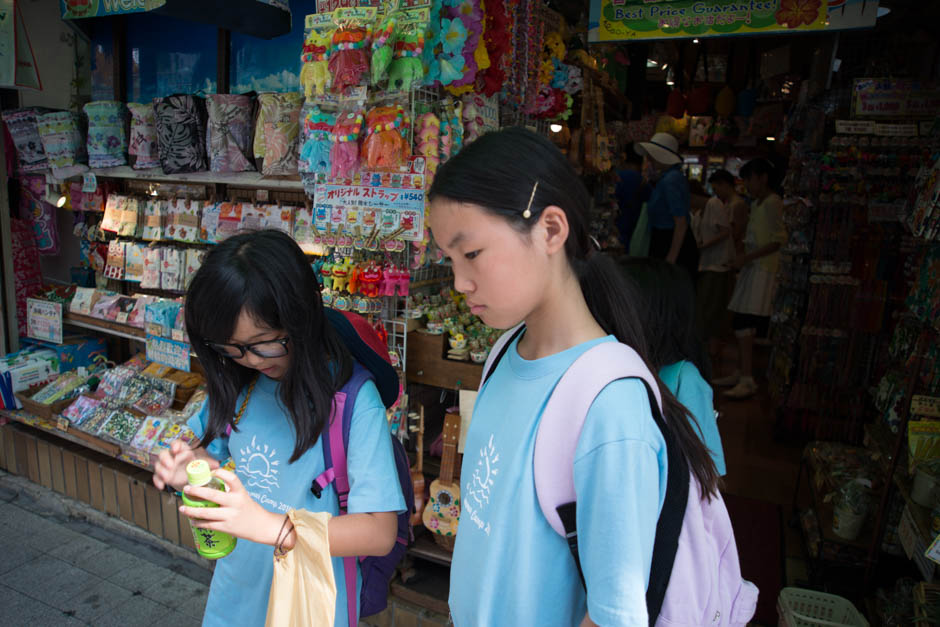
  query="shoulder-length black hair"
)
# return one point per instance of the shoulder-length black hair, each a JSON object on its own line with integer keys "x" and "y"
{"x": 667, "y": 312}
{"x": 266, "y": 274}
{"x": 498, "y": 172}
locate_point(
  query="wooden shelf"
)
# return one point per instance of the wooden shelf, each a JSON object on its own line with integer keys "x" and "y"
{"x": 428, "y": 365}
{"x": 426, "y": 548}
{"x": 116, "y": 329}
{"x": 72, "y": 435}
{"x": 235, "y": 179}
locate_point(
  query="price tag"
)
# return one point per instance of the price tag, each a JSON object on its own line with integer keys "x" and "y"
{"x": 89, "y": 182}
{"x": 261, "y": 195}
{"x": 925, "y": 406}
{"x": 121, "y": 318}
{"x": 62, "y": 424}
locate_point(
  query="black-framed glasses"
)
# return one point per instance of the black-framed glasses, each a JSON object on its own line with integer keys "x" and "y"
{"x": 265, "y": 350}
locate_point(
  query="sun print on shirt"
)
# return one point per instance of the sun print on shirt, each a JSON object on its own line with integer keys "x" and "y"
{"x": 259, "y": 465}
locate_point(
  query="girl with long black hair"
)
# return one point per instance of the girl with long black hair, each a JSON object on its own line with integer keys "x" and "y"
{"x": 512, "y": 215}
{"x": 273, "y": 363}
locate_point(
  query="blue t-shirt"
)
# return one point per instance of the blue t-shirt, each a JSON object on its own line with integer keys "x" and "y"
{"x": 669, "y": 199}
{"x": 261, "y": 449}
{"x": 509, "y": 565}
{"x": 685, "y": 381}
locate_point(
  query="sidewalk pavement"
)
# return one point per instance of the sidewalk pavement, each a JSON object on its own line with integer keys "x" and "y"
{"x": 63, "y": 563}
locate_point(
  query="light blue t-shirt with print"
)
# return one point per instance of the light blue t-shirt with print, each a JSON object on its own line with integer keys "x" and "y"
{"x": 509, "y": 566}
{"x": 261, "y": 448}
{"x": 685, "y": 381}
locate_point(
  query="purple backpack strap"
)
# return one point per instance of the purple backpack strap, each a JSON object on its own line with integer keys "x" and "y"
{"x": 335, "y": 444}
{"x": 563, "y": 417}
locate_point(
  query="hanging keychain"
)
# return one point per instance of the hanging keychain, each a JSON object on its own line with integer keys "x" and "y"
{"x": 385, "y": 147}
{"x": 315, "y": 74}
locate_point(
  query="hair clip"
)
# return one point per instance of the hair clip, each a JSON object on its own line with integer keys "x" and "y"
{"x": 528, "y": 210}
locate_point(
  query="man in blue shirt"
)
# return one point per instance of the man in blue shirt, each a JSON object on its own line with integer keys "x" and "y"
{"x": 631, "y": 192}
{"x": 668, "y": 207}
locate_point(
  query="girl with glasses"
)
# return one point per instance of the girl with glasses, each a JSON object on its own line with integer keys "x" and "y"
{"x": 257, "y": 323}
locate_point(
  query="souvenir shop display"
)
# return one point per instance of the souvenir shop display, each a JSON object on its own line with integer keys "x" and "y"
{"x": 229, "y": 132}
{"x": 277, "y": 133}
{"x": 62, "y": 143}
{"x": 143, "y": 148}
{"x": 181, "y": 133}
{"x": 107, "y": 135}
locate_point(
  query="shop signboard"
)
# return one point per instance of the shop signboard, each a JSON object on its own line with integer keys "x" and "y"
{"x": 894, "y": 98}
{"x": 632, "y": 20}
{"x": 75, "y": 9}
{"x": 168, "y": 352}
{"x": 44, "y": 320}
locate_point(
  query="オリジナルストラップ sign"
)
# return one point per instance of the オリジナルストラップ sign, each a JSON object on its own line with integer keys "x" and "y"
{"x": 625, "y": 20}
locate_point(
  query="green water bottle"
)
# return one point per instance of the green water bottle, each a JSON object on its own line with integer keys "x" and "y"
{"x": 210, "y": 544}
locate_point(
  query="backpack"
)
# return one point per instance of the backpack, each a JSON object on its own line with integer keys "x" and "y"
{"x": 376, "y": 571}
{"x": 695, "y": 576}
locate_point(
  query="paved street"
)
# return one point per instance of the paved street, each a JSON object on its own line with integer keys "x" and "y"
{"x": 57, "y": 568}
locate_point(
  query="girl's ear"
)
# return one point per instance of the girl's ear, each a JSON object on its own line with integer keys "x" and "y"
{"x": 553, "y": 223}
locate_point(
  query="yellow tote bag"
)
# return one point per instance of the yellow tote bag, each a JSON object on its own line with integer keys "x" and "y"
{"x": 303, "y": 592}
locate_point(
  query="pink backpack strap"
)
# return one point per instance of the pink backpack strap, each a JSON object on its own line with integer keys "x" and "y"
{"x": 340, "y": 476}
{"x": 563, "y": 418}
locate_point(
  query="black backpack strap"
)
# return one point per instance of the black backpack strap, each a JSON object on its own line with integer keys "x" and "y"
{"x": 668, "y": 527}
{"x": 492, "y": 363}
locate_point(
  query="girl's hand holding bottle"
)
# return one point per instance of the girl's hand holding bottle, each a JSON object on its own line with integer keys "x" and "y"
{"x": 238, "y": 514}
{"x": 170, "y": 469}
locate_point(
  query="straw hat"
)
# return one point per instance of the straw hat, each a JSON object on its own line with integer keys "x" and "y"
{"x": 662, "y": 147}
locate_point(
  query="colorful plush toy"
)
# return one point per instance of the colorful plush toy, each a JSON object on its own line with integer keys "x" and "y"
{"x": 344, "y": 154}
{"x": 315, "y": 74}
{"x": 386, "y": 146}
{"x": 383, "y": 46}
{"x": 340, "y": 275}
{"x": 369, "y": 280}
{"x": 326, "y": 273}
{"x": 355, "y": 274}
{"x": 407, "y": 69}
{"x": 349, "y": 56}
{"x": 315, "y": 152}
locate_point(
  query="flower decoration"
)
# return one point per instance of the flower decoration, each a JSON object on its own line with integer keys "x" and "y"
{"x": 453, "y": 35}
{"x": 796, "y": 13}
{"x": 546, "y": 71}
{"x": 471, "y": 11}
{"x": 451, "y": 68}
{"x": 560, "y": 75}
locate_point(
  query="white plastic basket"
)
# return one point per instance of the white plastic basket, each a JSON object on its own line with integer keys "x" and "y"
{"x": 807, "y": 608}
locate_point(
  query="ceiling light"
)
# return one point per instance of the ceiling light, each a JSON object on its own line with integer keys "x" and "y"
{"x": 771, "y": 139}
{"x": 665, "y": 66}
{"x": 670, "y": 83}
{"x": 695, "y": 41}
{"x": 61, "y": 201}
{"x": 555, "y": 128}
{"x": 652, "y": 63}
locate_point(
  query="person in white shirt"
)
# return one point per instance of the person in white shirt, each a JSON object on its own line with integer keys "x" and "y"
{"x": 714, "y": 233}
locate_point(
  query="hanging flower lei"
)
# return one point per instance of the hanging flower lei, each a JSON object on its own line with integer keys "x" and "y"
{"x": 497, "y": 38}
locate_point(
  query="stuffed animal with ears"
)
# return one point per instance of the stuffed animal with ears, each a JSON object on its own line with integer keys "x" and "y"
{"x": 315, "y": 74}
{"x": 315, "y": 153}
{"x": 344, "y": 154}
{"x": 349, "y": 56}
{"x": 340, "y": 275}
{"x": 385, "y": 146}
{"x": 407, "y": 68}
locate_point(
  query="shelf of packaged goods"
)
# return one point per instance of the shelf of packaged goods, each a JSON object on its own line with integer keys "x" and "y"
{"x": 235, "y": 179}
{"x": 116, "y": 329}
{"x": 68, "y": 433}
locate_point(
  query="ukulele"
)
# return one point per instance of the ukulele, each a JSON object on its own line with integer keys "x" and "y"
{"x": 417, "y": 473}
{"x": 443, "y": 510}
